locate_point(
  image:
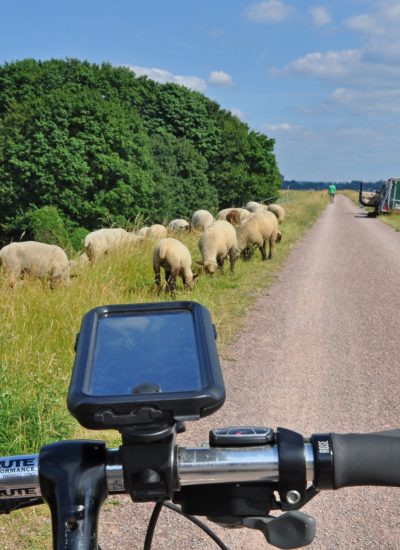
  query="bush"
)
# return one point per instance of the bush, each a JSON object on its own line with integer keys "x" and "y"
{"x": 47, "y": 226}
{"x": 77, "y": 237}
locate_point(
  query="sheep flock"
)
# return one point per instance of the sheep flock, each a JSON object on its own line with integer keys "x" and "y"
{"x": 235, "y": 232}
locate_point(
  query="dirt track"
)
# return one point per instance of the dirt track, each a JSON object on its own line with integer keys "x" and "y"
{"x": 319, "y": 352}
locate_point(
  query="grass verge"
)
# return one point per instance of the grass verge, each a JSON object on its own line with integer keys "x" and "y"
{"x": 392, "y": 219}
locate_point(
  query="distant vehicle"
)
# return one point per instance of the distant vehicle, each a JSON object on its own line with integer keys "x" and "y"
{"x": 384, "y": 200}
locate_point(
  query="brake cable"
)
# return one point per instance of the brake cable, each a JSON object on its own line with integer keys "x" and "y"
{"x": 154, "y": 517}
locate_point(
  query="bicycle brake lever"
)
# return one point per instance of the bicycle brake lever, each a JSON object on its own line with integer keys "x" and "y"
{"x": 290, "y": 530}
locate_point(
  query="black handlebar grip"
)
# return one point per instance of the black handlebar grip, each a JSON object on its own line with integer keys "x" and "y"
{"x": 366, "y": 459}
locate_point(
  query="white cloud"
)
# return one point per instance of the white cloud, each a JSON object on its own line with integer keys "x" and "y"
{"x": 219, "y": 78}
{"x": 364, "y": 23}
{"x": 268, "y": 11}
{"x": 381, "y": 100}
{"x": 283, "y": 127}
{"x": 162, "y": 75}
{"x": 238, "y": 113}
{"x": 330, "y": 64}
{"x": 320, "y": 16}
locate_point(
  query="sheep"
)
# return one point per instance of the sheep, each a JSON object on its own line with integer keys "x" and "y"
{"x": 233, "y": 217}
{"x": 260, "y": 227}
{"x": 75, "y": 266}
{"x": 223, "y": 214}
{"x": 278, "y": 211}
{"x": 156, "y": 231}
{"x": 178, "y": 225}
{"x": 38, "y": 259}
{"x": 102, "y": 241}
{"x": 252, "y": 206}
{"x": 201, "y": 219}
{"x": 142, "y": 232}
{"x": 217, "y": 243}
{"x": 176, "y": 260}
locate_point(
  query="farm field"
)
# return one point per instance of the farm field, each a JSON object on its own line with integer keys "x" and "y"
{"x": 39, "y": 326}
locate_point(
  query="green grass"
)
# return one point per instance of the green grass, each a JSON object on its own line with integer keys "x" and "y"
{"x": 392, "y": 219}
{"x": 38, "y": 329}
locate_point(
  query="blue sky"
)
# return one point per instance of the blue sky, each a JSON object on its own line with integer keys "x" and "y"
{"x": 322, "y": 78}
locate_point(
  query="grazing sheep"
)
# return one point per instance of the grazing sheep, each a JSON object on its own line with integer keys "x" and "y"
{"x": 175, "y": 258}
{"x": 75, "y": 266}
{"x": 216, "y": 244}
{"x": 259, "y": 228}
{"x": 37, "y": 259}
{"x": 201, "y": 219}
{"x": 178, "y": 225}
{"x": 223, "y": 213}
{"x": 252, "y": 206}
{"x": 156, "y": 231}
{"x": 103, "y": 241}
{"x": 142, "y": 232}
{"x": 233, "y": 217}
{"x": 243, "y": 213}
{"x": 278, "y": 211}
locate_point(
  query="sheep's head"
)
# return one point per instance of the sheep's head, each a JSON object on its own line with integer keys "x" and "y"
{"x": 191, "y": 284}
{"x": 210, "y": 267}
{"x": 279, "y": 237}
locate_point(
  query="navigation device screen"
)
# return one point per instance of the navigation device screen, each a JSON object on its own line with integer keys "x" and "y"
{"x": 150, "y": 348}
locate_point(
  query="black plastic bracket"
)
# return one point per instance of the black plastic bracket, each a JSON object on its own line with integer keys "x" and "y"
{"x": 149, "y": 469}
{"x": 292, "y": 469}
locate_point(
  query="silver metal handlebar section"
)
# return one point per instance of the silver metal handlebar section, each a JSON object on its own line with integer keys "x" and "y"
{"x": 19, "y": 475}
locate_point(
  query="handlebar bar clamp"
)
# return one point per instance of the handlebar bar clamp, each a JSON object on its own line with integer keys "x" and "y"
{"x": 323, "y": 459}
{"x": 292, "y": 469}
{"x": 156, "y": 481}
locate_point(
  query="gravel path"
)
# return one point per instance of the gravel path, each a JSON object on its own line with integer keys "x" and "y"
{"x": 319, "y": 352}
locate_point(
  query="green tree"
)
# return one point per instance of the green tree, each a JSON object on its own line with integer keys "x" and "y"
{"x": 180, "y": 176}
{"x": 84, "y": 154}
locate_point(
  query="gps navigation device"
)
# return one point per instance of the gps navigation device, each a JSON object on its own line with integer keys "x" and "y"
{"x": 145, "y": 365}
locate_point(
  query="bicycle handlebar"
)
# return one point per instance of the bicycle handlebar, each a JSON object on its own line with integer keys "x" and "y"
{"x": 353, "y": 459}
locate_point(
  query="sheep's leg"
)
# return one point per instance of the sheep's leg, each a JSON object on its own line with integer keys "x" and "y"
{"x": 232, "y": 259}
{"x": 157, "y": 278}
{"x": 263, "y": 251}
{"x": 271, "y": 246}
{"x": 185, "y": 281}
{"x": 220, "y": 262}
{"x": 170, "y": 277}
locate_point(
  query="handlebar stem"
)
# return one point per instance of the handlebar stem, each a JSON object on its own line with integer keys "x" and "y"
{"x": 73, "y": 483}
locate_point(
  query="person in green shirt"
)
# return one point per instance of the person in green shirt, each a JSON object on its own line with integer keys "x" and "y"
{"x": 332, "y": 192}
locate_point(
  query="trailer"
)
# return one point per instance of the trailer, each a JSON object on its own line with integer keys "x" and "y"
{"x": 384, "y": 200}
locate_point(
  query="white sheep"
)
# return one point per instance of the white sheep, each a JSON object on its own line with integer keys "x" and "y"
{"x": 243, "y": 213}
{"x": 178, "y": 225}
{"x": 39, "y": 260}
{"x": 216, "y": 243}
{"x": 175, "y": 258}
{"x": 278, "y": 211}
{"x": 102, "y": 241}
{"x": 75, "y": 266}
{"x": 201, "y": 219}
{"x": 142, "y": 232}
{"x": 156, "y": 231}
{"x": 252, "y": 206}
{"x": 260, "y": 227}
